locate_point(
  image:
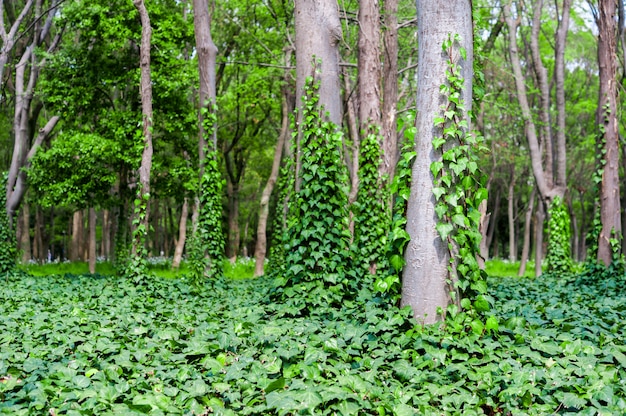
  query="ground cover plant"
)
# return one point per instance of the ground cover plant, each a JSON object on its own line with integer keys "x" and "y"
{"x": 103, "y": 345}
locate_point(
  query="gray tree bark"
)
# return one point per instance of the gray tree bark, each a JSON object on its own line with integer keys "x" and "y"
{"x": 424, "y": 285}
{"x": 318, "y": 33}
{"x": 182, "y": 235}
{"x": 92, "y": 240}
{"x": 207, "y": 56}
{"x": 390, "y": 89}
{"x": 146, "y": 109}
{"x": 607, "y": 118}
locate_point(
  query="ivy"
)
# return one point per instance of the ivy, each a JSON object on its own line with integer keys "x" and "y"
{"x": 389, "y": 283}
{"x": 138, "y": 262}
{"x": 206, "y": 248}
{"x": 459, "y": 188}
{"x": 8, "y": 245}
{"x": 318, "y": 261}
{"x": 559, "y": 257}
{"x": 372, "y": 216}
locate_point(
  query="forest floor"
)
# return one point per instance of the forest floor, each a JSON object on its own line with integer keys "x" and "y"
{"x": 101, "y": 345}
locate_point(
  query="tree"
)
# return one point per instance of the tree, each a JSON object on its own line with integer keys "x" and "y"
{"x": 142, "y": 211}
{"x": 425, "y": 285}
{"x": 28, "y": 108}
{"x": 318, "y": 33}
{"x": 607, "y": 120}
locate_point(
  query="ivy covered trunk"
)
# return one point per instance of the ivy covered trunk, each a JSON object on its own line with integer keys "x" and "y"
{"x": 425, "y": 285}
{"x": 607, "y": 120}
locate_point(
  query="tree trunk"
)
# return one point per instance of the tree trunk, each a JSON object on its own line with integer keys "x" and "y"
{"x": 92, "y": 240}
{"x": 25, "y": 145}
{"x": 234, "y": 231}
{"x": 77, "y": 236}
{"x": 207, "y": 56}
{"x": 559, "y": 80}
{"x": 24, "y": 234}
{"x": 105, "y": 249}
{"x": 318, "y": 33}
{"x": 369, "y": 68}
{"x": 424, "y": 282}
{"x": 260, "y": 250}
{"x": 390, "y": 89}
{"x": 540, "y": 217}
{"x": 527, "y": 224}
{"x": 146, "y": 109}
{"x": 182, "y": 235}
{"x": 607, "y": 119}
{"x": 511, "y": 217}
{"x": 493, "y": 220}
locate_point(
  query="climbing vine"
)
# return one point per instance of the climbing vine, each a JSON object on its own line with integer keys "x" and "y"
{"x": 206, "y": 247}
{"x": 559, "y": 257}
{"x": 318, "y": 262}
{"x": 371, "y": 214}
{"x": 8, "y": 245}
{"x": 389, "y": 283}
{"x": 459, "y": 188}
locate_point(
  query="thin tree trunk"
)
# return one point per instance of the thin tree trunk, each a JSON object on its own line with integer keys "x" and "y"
{"x": 24, "y": 232}
{"x": 146, "y": 109}
{"x": 527, "y": 226}
{"x": 77, "y": 236}
{"x": 559, "y": 80}
{"x": 106, "y": 234}
{"x": 493, "y": 220}
{"x": 511, "y": 217}
{"x": 182, "y": 235}
{"x": 92, "y": 240}
{"x": 207, "y": 56}
{"x": 540, "y": 216}
{"x": 233, "y": 221}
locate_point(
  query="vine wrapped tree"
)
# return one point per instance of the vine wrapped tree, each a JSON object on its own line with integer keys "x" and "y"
{"x": 426, "y": 284}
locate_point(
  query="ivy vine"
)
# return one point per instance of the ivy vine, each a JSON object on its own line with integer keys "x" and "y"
{"x": 371, "y": 213}
{"x": 389, "y": 283}
{"x": 559, "y": 256}
{"x": 8, "y": 244}
{"x": 459, "y": 188}
{"x": 318, "y": 260}
{"x": 205, "y": 252}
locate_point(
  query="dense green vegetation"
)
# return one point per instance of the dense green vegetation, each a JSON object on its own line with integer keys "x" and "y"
{"x": 102, "y": 345}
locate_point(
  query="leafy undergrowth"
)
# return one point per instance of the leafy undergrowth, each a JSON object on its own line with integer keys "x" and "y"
{"x": 85, "y": 345}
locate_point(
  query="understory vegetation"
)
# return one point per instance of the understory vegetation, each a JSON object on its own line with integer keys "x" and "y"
{"x": 104, "y": 345}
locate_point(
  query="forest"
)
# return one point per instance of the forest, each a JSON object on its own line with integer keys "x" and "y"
{"x": 312, "y": 207}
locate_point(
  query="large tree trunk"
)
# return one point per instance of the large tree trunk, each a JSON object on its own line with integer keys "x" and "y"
{"x": 260, "y": 250}
{"x": 369, "y": 75}
{"x": 318, "y": 33}
{"x": 146, "y": 109}
{"x": 390, "y": 89}
{"x": 607, "y": 119}
{"x": 182, "y": 235}
{"x": 424, "y": 282}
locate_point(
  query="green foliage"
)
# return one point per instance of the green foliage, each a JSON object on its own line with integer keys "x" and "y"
{"x": 206, "y": 246}
{"x": 137, "y": 266}
{"x": 559, "y": 256}
{"x": 389, "y": 283}
{"x": 318, "y": 258}
{"x": 459, "y": 188}
{"x": 8, "y": 245}
{"x": 104, "y": 345}
{"x": 280, "y": 239}
{"x": 371, "y": 211}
